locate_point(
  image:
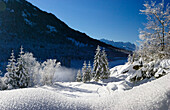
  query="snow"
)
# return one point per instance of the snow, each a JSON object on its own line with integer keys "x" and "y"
{"x": 165, "y": 63}
{"x": 12, "y": 11}
{"x": 77, "y": 43}
{"x": 51, "y": 28}
{"x": 152, "y": 95}
{"x": 28, "y": 22}
{"x": 24, "y": 14}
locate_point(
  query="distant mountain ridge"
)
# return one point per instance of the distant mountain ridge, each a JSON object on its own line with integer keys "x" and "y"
{"x": 45, "y": 35}
{"x": 124, "y": 45}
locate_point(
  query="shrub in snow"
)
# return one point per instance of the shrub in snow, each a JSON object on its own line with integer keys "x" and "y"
{"x": 3, "y": 86}
{"x": 154, "y": 69}
{"x": 78, "y": 78}
{"x": 164, "y": 68}
{"x": 48, "y": 70}
{"x": 32, "y": 67}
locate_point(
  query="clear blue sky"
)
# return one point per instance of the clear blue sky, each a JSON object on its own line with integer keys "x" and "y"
{"x": 117, "y": 20}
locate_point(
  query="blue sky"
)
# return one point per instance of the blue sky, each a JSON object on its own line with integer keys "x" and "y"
{"x": 117, "y": 20}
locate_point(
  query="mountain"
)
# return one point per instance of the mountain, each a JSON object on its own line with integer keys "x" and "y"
{"x": 124, "y": 45}
{"x": 46, "y": 36}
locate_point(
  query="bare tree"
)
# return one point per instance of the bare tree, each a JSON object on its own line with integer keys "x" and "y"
{"x": 155, "y": 34}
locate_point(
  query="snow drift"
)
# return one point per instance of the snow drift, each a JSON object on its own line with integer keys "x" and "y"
{"x": 153, "y": 95}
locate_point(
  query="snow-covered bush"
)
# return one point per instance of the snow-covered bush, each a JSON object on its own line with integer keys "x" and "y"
{"x": 48, "y": 70}
{"x": 3, "y": 86}
{"x": 154, "y": 69}
{"x": 33, "y": 68}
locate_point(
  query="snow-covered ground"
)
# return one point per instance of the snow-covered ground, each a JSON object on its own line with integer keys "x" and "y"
{"x": 115, "y": 93}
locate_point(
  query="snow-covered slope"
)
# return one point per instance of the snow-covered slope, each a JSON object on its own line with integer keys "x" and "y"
{"x": 123, "y": 45}
{"x": 153, "y": 95}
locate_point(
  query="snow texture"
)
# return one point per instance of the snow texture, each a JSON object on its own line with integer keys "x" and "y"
{"x": 153, "y": 95}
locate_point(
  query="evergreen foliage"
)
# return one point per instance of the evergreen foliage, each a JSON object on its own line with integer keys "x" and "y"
{"x": 89, "y": 71}
{"x": 11, "y": 76}
{"x": 97, "y": 65}
{"x": 78, "y": 78}
{"x": 84, "y": 71}
{"x": 105, "y": 64}
{"x": 22, "y": 73}
{"x": 100, "y": 66}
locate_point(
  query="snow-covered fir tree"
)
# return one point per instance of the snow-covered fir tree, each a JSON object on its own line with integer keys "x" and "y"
{"x": 22, "y": 73}
{"x": 79, "y": 77}
{"x": 86, "y": 75}
{"x": 11, "y": 76}
{"x": 105, "y": 65}
{"x": 89, "y": 71}
{"x": 97, "y": 65}
{"x": 84, "y": 69}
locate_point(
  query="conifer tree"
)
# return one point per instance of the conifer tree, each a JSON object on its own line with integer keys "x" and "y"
{"x": 97, "y": 67}
{"x": 23, "y": 76}
{"x": 78, "y": 78}
{"x": 89, "y": 72}
{"x": 105, "y": 66}
{"x": 11, "y": 75}
{"x": 84, "y": 71}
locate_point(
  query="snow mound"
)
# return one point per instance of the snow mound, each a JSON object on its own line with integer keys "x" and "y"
{"x": 153, "y": 95}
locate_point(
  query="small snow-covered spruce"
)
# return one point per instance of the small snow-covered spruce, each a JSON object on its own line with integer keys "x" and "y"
{"x": 105, "y": 66}
{"x": 97, "y": 67}
{"x": 89, "y": 71}
{"x": 11, "y": 76}
{"x": 86, "y": 75}
{"x": 84, "y": 69}
{"x": 78, "y": 78}
{"x": 22, "y": 73}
